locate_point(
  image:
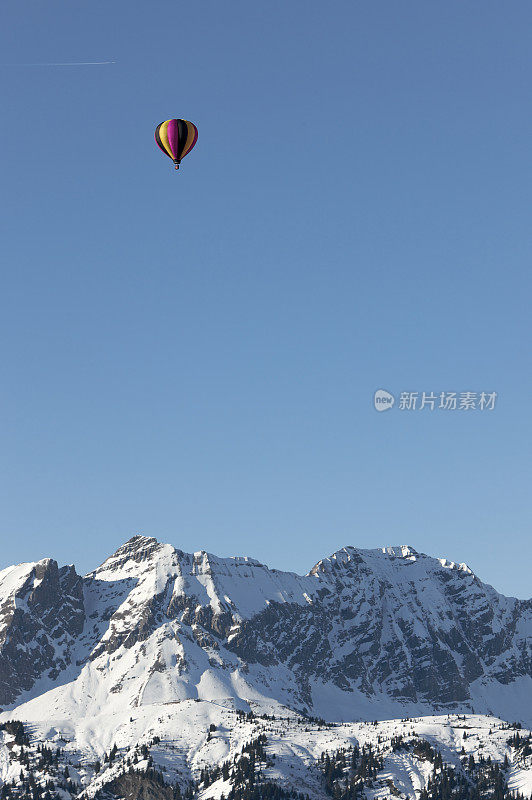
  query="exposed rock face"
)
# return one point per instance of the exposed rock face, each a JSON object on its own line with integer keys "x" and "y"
{"x": 415, "y": 629}
{"x": 40, "y": 618}
{"x": 155, "y": 624}
{"x": 138, "y": 786}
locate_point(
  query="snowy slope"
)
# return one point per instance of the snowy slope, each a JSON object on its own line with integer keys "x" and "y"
{"x": 181, "y": 740}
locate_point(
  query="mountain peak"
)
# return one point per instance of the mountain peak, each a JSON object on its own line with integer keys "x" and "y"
{"x": 138, "y": 540}
{"x": 350, "y": 556}
{"x": 137, "y": 551}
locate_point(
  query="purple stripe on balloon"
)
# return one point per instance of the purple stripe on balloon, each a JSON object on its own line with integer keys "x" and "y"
{"x": 173, "y": 136}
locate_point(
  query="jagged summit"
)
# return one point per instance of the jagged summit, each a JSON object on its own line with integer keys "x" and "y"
{"x": 138, "y": 554}
{"x": 385, "y": 559}
{"x": 141, "y": 553}
{"x": 138, "y": 548}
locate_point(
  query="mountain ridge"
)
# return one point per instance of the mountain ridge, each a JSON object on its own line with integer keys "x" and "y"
{"x": 169, "y": 675}
{"x": 147, "y": 545}
{"x": 365, "y": 632}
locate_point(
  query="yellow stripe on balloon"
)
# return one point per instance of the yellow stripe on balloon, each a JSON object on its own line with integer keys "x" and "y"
{"x": 163, "y": 134}
{"x": 190, "y": 138}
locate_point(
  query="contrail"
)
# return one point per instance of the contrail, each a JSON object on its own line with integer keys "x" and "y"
{"x": 62, "y": 64}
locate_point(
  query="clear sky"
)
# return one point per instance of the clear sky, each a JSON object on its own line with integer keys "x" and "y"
{"x": 192, "y": 355}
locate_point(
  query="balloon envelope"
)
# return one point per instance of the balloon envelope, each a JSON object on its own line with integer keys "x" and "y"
{"x": 176, "y": 138}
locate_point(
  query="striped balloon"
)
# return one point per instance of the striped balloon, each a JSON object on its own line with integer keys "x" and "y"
{"x": 176, "y": 138}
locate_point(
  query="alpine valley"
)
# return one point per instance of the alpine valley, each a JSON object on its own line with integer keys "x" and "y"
{"x": 381, "y": 673}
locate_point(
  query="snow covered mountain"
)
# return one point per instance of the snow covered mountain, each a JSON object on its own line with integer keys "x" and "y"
{"x": 366, "y": 634}
{"x": 159, "y": 673}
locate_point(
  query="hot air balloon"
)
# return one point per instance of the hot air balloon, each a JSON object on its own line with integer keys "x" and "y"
{"x": 176, "y": 138}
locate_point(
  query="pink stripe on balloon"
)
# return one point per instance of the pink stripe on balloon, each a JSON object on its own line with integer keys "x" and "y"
{"x": 173, "y": 136}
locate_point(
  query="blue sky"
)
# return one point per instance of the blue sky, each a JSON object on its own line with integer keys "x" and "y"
{"x": 193, "y": 355}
